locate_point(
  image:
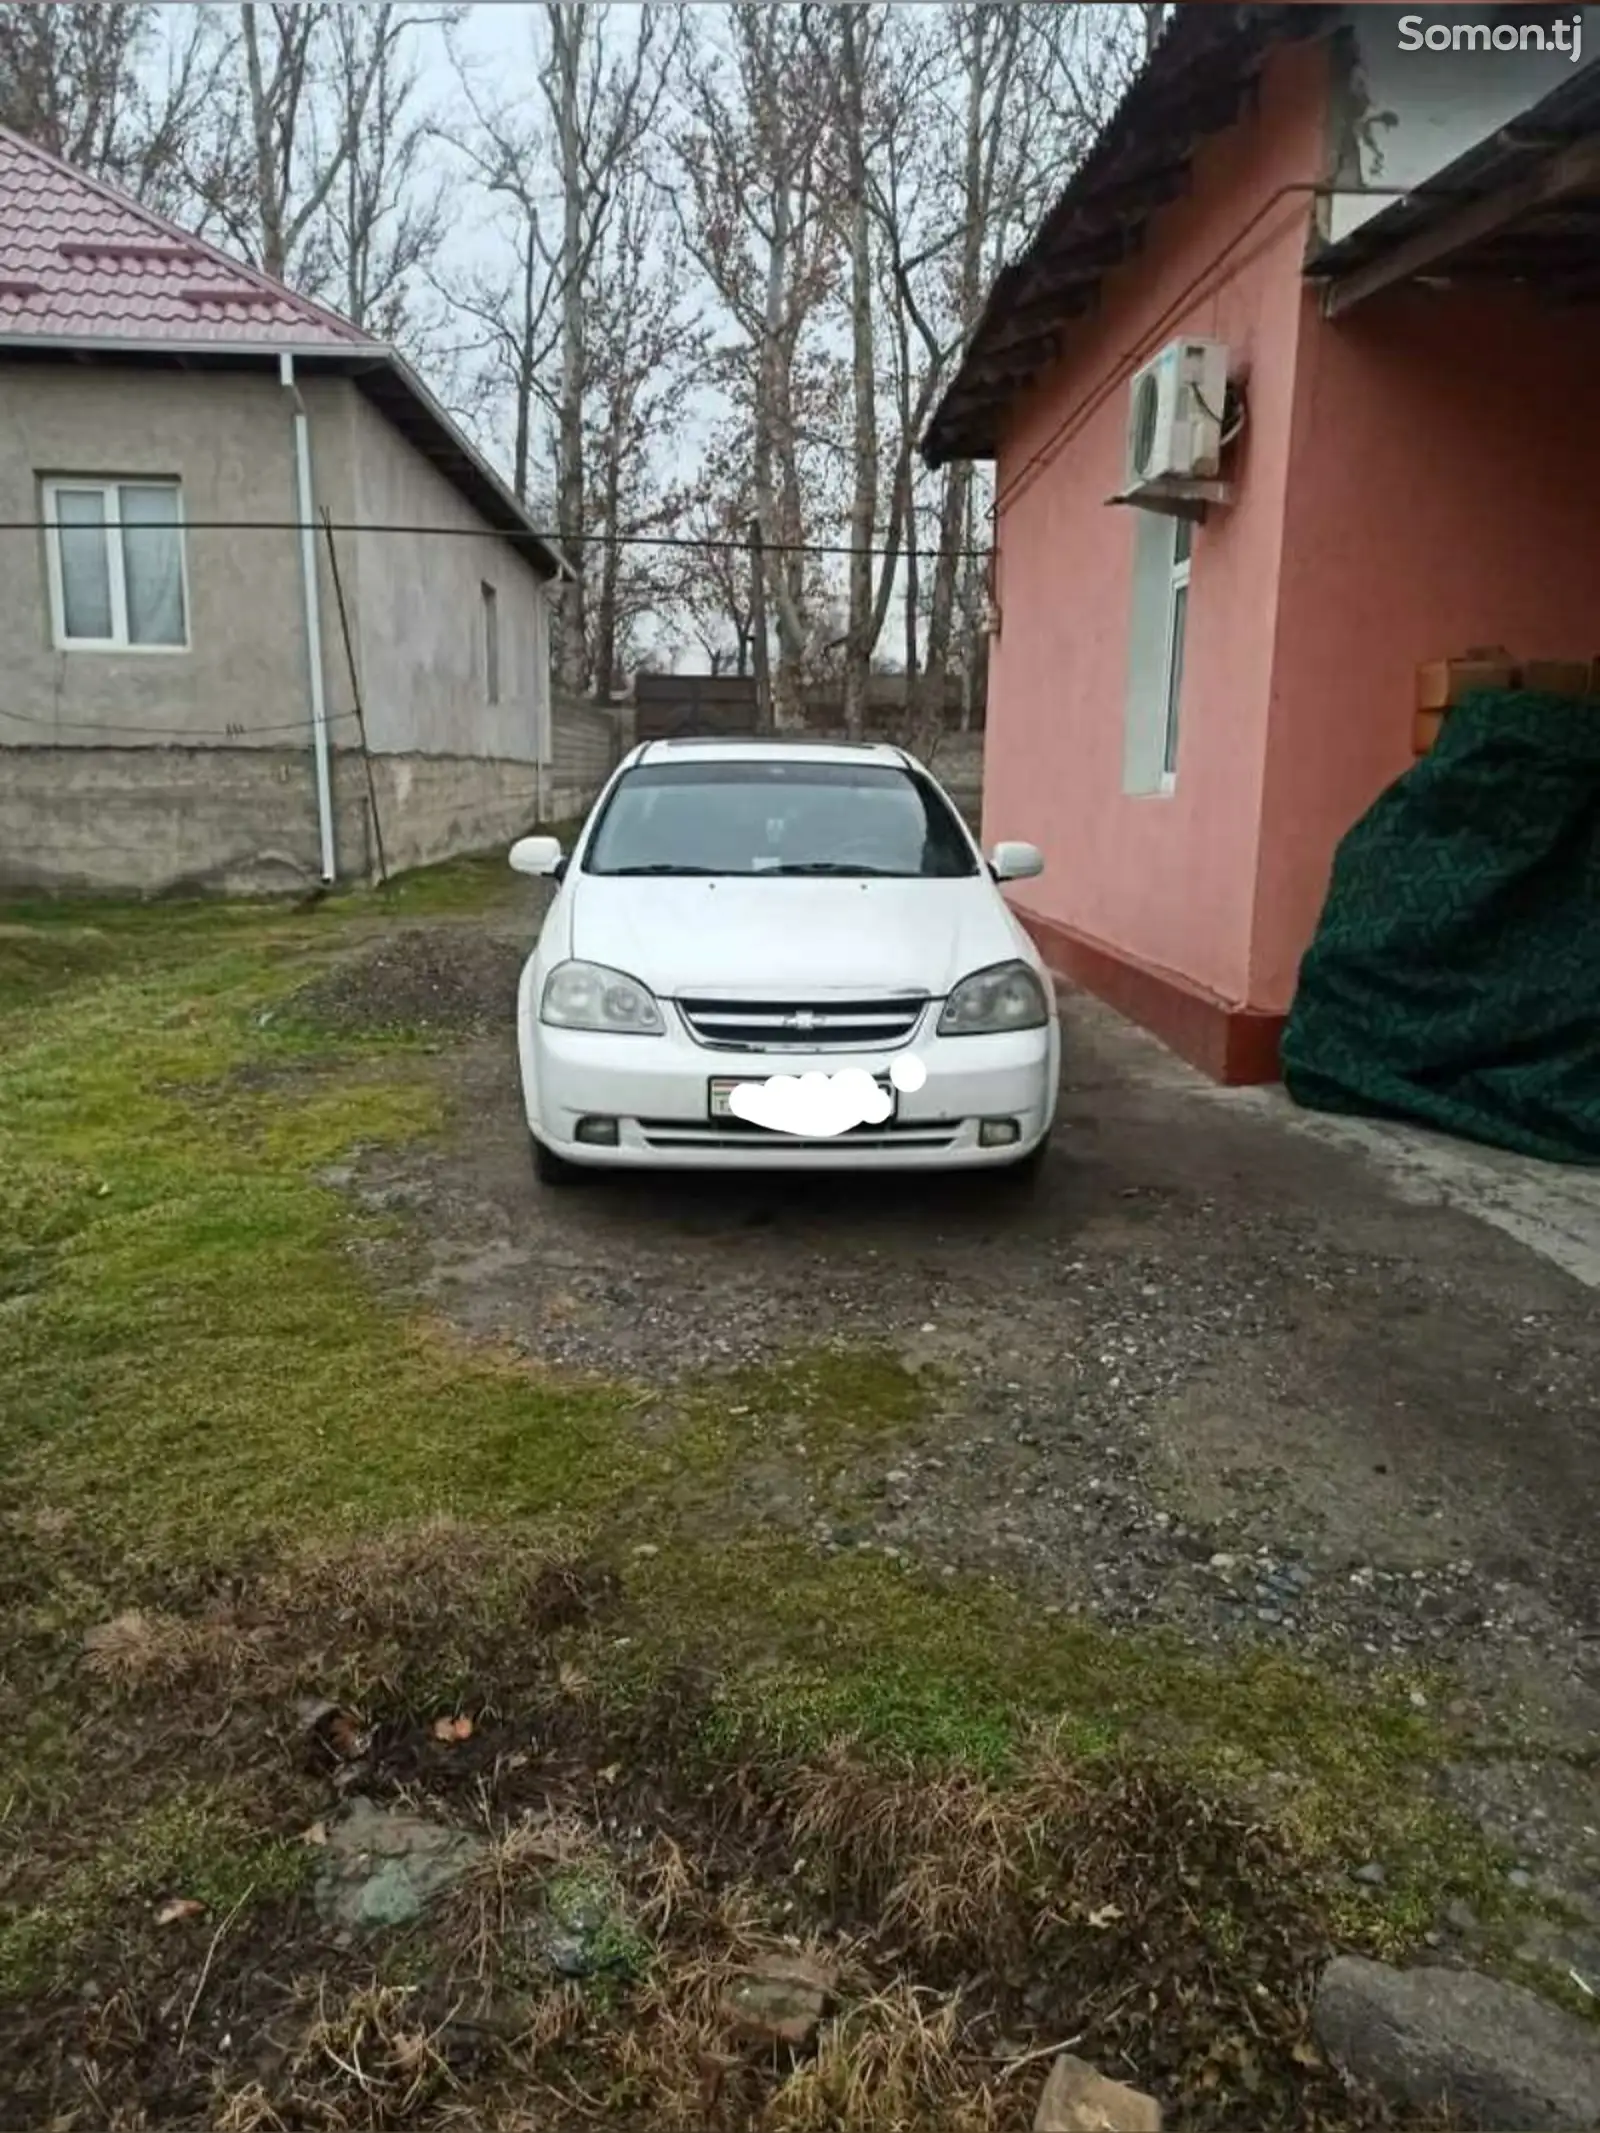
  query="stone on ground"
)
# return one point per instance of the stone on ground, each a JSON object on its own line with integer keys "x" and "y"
{"x": 1493, "y": 2054}
{"x": 1077, "y": 2099}
{"x": 381, "y": 1868}
{"x": 780, "y": 1999}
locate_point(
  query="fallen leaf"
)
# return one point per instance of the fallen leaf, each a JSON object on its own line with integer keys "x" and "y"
{"x": 1107, "y": 1915}
{"x": 610, "y": 1774}
{"x": 178, "y": 1908}
{"x": 452, "y": 1729}
{"x": 343, "y": 1732}
{"x": 316, "y": 1834}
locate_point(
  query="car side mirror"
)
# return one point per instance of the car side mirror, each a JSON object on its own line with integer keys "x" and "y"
{"x": 1015, "y": 861}
{"x": 538, "y": 855}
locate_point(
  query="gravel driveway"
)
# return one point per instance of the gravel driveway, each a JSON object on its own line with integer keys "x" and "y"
{"x": 1211, "y": 1372}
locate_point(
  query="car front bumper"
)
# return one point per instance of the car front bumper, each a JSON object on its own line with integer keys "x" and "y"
{"x": 657, "y": 1089}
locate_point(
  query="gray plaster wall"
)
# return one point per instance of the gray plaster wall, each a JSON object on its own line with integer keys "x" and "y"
{"x": 144, "y": 771}
{"x": 228, "y": 438}
{"x": 588, "y": 744}
{"x": 414, "y": 602}
{"x": 419, "y": 612}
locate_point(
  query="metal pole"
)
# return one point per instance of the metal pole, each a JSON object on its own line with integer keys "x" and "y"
{"x": 308, "y": 578}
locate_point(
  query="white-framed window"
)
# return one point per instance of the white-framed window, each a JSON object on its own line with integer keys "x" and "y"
{"x": 491, "y": 641}
{"x": 1162, "y": 547}
{"x": 115, "y": 559}
{"x": 1177, "y": 618}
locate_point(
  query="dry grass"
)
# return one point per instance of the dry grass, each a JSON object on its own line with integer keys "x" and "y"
{"x": 480, "y": 1918}
{"x": 898, "y": 2062}
{"x": 366, "y": 1607}
{"x": 1177, "y": 1936}
{"x": 155, "y": 1650}
{"x": 372, "y": 2058}
{"x": 945, "y": 1862}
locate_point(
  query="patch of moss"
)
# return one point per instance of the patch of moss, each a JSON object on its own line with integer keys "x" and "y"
{"x": 475, "y": 882}
{"x": 805, "y": 1648}
{"x": 836, "y": 1401}
{"x": 197, "y": 1845}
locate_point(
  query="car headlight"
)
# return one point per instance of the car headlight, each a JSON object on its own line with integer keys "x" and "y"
{"x": 1006, "y": 996}
{"x": 588, "y": 996}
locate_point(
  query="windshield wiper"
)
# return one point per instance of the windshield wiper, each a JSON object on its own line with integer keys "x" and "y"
{"x": 659, "y": 867}
{"x": 836, "y": 866}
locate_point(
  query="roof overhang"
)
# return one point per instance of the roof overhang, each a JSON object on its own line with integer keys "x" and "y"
{"x": 1522, "y": 206}
{"x": 378, "y": 372}
{"x": 1195, "y": 83}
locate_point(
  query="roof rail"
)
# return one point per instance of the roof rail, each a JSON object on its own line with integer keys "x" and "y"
{"x": 777, "y": 740}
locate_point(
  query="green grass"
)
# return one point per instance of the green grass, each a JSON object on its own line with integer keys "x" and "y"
{"x": 198, "y": 1371}
{"x": 197, "y": 1845}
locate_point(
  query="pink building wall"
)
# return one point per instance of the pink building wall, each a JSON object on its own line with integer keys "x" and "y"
{"x": 1416, "y": 477}
{"x": 1443, "y": 486}
{"x": 1167, "y": 882}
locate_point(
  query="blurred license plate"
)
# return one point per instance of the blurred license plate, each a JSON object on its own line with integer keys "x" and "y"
{"x": 723, "y": 1088}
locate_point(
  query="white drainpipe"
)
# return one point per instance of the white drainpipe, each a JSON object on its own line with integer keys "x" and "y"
{"x": 308, "y": 577}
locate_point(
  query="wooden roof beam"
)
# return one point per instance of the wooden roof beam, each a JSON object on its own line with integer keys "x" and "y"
{"x": 1576, "y": 170}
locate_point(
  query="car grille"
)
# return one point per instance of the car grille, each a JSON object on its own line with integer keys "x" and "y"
{"x": 740, "y": 1132}
{"x": 803, "y": 1025}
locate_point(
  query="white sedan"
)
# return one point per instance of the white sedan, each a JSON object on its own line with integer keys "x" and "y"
{"x": 745, "y": 926}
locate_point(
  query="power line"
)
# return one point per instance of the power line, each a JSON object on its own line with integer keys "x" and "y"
{"x": 234, "y": 732}
{"x": 719, "y": 543}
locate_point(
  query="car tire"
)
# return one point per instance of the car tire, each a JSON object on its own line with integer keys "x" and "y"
{"x": 1026, "y": 1171}
{"x": 550, "y": 1168}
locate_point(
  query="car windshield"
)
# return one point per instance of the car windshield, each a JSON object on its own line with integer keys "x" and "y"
{"x": 780, "y": 817}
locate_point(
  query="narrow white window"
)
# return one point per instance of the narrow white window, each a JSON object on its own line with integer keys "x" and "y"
{"x": 491, "y": 643}
{"x": 117, "y": 572}
{"x": 1177, "y": 617}
{"x": 1159, "y": 621}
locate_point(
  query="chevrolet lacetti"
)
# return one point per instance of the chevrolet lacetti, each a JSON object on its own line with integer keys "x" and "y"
{"x": 738, "y": 910}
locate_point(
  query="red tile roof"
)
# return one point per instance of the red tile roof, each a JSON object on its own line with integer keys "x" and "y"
{"x": 81, "y": 261}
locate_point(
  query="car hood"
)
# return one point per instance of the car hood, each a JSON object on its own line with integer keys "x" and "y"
{"x": 782, "y": 935}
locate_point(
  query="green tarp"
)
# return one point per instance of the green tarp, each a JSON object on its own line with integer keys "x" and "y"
{"x": 1455, "y": 974}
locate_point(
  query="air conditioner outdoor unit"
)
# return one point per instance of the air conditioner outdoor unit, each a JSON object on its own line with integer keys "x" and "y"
{"x": 1175, "y": 411}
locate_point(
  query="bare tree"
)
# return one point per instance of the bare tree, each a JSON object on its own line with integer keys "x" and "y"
{"x": 859, "y": 35}
{"x": 109, "y": 88}
{"x": 602, "y": 106}
{"x": 557, "y": 171}
{"x": 643, "y": 348}
{"x": 752, "y": 211}
{"x": 386, "y": 215}
{"x": 1013, "y": 98}
{"x": 307, "y": 161}
{"x": 713, "y": 581}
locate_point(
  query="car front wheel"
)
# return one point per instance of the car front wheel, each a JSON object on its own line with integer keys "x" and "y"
{"x": 550, "y": 1168}
{"x": 1025, "y": 1171}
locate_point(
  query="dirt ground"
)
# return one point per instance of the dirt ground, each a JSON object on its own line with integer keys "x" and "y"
{"x": 1209, "y": 1373}
{"x": 1068, "y": 1612}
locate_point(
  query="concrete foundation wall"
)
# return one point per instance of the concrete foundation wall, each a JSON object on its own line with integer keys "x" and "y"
{"x": 587, "y": 746}
{"x": 145, "y": 821}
